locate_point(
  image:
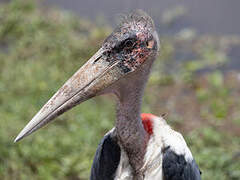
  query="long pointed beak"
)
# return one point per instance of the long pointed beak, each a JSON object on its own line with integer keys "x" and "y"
{"x": 90, "y": 80}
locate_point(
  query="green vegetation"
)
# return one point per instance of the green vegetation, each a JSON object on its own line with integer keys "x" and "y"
{"x": 40, "y": 49}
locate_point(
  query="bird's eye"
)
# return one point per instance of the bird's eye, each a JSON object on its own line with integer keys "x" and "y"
{"x": 150, "y": 44}
{"x": 129, "y": 43}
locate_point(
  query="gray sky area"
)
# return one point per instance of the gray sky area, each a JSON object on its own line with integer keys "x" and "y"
{"x": 206, "y": 16}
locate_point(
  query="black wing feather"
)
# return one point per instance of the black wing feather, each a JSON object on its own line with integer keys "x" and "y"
{"x": 106, "y": 159}
{"x": 175, "y": 167}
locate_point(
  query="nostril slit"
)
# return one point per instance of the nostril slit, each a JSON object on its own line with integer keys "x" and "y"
{"x": 96, "y": 60}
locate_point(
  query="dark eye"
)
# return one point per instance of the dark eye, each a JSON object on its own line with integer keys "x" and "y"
{"x": 128, "y": 43}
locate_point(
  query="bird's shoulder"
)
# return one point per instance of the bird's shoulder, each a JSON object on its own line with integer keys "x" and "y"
{"x": 178, "y": 167}
{"x": 177, "y": 160}
{"x": 107, "y": 158}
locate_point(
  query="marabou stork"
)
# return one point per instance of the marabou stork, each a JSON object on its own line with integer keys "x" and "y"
{"x": 138, "y": 147}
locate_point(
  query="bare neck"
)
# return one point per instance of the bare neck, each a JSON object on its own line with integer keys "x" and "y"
{"x": 130, "y": 131}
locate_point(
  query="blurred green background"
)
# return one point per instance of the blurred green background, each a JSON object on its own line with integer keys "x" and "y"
{"x": 41, "y": 48}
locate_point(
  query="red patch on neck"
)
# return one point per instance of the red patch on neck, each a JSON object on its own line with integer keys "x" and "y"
{"x": 147, "y": 120}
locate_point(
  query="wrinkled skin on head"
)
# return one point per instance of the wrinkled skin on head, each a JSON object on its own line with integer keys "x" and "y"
{"x": 132, "y": 42}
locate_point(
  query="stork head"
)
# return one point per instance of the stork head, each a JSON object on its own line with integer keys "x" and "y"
{"x": 131, "y": 45}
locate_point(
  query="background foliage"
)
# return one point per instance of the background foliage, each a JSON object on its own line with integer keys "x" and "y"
{"x": 40, "y": 49}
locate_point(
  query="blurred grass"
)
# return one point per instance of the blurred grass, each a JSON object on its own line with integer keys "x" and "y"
{"x": 40, "y": 49}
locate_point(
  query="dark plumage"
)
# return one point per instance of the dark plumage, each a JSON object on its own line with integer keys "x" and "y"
{"x": 106, "y": 159}
{"x": 176, "y": 167}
